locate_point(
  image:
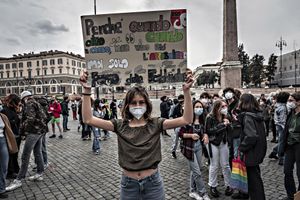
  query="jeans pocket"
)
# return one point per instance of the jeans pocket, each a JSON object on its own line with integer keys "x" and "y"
{"x": 124, "y": 181}
{"x": 157, "y": 180}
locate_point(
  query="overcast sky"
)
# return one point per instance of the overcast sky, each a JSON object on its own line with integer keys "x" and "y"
{"x": 30, "y": 25}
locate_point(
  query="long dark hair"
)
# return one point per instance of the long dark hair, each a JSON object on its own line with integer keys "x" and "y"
{"x": 137, "y": 90}
{"x": 248, "y": 103}
{"x": 201, "y": 118}
{"x": 12, "y": 101}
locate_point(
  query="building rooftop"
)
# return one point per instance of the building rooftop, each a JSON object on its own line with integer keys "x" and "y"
{"x": 42, "y": 53}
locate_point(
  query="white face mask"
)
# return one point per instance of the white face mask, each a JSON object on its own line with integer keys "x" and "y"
{"x": 228, "y": 95}
{"x": 291, "y": 105}
{"x": 224, "y": 111}
{"x": 198, "y": 111}
{"x": 204, "y": 100}
{"x": 138, "y": 111}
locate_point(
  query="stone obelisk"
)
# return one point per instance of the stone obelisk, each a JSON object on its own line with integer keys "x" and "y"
{"x": 231, "y": 66}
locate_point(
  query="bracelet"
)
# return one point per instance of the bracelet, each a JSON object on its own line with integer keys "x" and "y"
{"x": 86, "y": 94}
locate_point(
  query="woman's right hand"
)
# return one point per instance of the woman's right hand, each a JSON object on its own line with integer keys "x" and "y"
{"x": 83, "y": 79}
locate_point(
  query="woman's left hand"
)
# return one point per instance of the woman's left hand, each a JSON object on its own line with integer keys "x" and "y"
{"x": 189, "y": 80}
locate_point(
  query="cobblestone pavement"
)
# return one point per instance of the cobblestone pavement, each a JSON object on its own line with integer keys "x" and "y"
{"x": 76, "y": 173}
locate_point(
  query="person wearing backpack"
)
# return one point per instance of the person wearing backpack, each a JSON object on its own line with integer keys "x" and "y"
{"x": 32, "y": 126}
{"x": 65, "y": 113}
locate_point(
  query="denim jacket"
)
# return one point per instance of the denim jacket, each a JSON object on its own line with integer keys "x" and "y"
{"x": 280, "y": 114}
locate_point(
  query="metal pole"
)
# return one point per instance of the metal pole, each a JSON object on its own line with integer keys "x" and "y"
{"x": 280, "y": 44}
{"x": 95, "y": 7}
{"x": 295, "y": 71}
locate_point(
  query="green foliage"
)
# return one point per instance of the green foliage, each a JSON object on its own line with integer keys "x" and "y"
{"x": 208, "y": 78}
{"x": 256, "y": 70}
{"x": 271, "y": 67}
{"x": 244, "y": 59}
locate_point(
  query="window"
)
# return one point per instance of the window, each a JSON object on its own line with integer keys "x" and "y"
{"x": 73, "y": 63}
{"x": 60, "y": 61}
{"x": 29, "y": 74}
{"x": 53, "y": 89}
{"x": 1, "y": 75}
{"x": 21, "y": 65}
{"x": 38, "y": 90}
{"x": 21, "y": 74}
{"x": 78, "y": 64}
{"x": 7, "y": 74}
{"x": 296, "y": 66}
{"x": 52, "y": 71}
{"x": 44, "y": 62}
{"x": 73, "y": 71}
{"x": 52, "y": 62}
{"x": 29, "y": 64}
{"x": 37, "y": 63}
{"x": 15, "y": 74}
{"x": 37, "y": 72}
{"x": 7, "y": 66}
{"x": 291, "y": 67}
{"x": 284, "y": 69}
{"x": 1, "y": 66}
{"x": 14, "y": 66}
{"x": 45, "y": 72}
{"x": 83, "y": 65}
{"x": 60, "y": 71}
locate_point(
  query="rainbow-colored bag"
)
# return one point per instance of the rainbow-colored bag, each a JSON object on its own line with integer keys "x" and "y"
{"x": 239, "y": 178}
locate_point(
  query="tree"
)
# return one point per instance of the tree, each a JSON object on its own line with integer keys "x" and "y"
{"x": 256, "y": 69}
{"x": 207, "y": 78}
{"x": 244, "y": 59}
{"x": 271, "y": 68}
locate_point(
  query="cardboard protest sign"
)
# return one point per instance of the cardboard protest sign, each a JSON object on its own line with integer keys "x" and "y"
{"x": 136, "y": 48}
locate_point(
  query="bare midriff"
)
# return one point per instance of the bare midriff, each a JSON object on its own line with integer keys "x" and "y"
{"x": 138, "y": 175}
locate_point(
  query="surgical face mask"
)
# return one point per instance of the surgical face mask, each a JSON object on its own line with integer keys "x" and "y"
{"x": 138, "y": 111}
{"x": 228, "y": 95}
{"x": 224, "y": 111}
{"x": 198, "y": 111}
{"x": 291, "y": 105}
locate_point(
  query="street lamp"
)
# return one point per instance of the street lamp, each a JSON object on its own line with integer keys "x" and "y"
{"x": 17, "y": 68}
{"x": 280, "y": 44}
{"x": 295, "y": 57}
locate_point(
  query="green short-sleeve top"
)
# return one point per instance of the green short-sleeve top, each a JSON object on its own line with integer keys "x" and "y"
{"x": 139, "y": 148}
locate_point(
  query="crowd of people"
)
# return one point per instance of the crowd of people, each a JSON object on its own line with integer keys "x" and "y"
{"x": 214, "y": 128}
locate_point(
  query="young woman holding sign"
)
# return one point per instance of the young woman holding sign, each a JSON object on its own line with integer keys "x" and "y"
{"x": 139, "y": 146}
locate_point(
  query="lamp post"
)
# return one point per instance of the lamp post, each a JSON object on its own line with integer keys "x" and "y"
{"x": 280, "y": 44}
{"x": 295, "y": 57}
{"x": 95, "y": 7}
{"x": 17, "y": 68}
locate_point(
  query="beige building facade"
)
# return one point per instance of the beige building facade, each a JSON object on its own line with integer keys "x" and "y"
{"x": 44, "y": 73}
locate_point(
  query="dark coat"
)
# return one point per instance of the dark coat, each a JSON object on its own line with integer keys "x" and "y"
{"x": 13, "y": 118}
{"x": 253, "y": 138}
{"x": 164, "y": 109}
{"x": 216, "y": 131}
{"x": 177, "y": 112}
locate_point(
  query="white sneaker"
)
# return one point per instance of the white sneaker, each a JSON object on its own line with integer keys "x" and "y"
{"x": 46, "y": 166}
{"x": 195, "y": 196}
{"x": 14, "y": 185}
{"x": 38, "y": 177}
{"x": 205, "y": 197}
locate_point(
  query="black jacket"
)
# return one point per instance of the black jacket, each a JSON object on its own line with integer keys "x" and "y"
{"x": 216, "y": 131}
{"x": 177, "y": 112}
{"x": 13, "y": 118}
{"x": 253, "y": 138}
{"x": 164, "y": 109}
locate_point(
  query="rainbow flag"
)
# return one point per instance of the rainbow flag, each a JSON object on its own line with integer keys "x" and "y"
{"x": 239, "y": 178}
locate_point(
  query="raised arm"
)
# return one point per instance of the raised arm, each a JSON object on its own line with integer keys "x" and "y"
{"x": 87, "y": 116}
{"x": 187, "y": 117}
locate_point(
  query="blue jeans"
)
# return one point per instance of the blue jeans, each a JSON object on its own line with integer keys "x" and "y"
{"x": 32, "y": 142}
{"x": 96, "y": 141}
{"x": 236, "y": 143}
{"x": 4, "y": 157}
{"x": 279, "y": 146}
{"x": 196, "y": 182}
{"x": 148, "y": 188}
{"x": 65, "y": 122}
